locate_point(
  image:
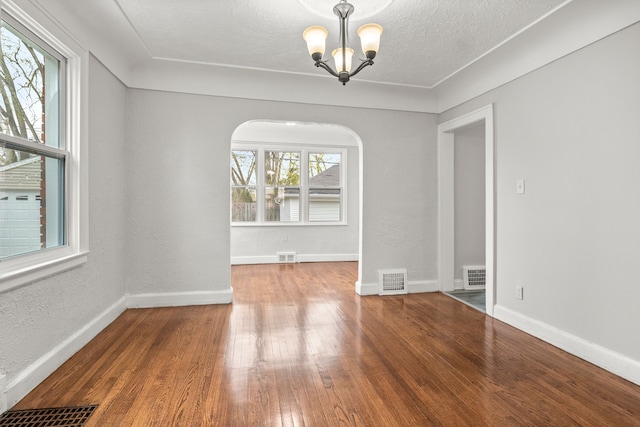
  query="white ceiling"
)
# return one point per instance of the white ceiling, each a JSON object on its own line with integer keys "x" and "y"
{"x": 424, "y": 41}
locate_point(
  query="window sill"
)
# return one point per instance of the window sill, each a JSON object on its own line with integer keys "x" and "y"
{"x": 22, "y": 270}
{"x": 288, "y": 224}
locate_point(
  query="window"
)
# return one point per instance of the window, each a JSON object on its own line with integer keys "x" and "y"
{"x": 243, "y": 186}
{"x": 42, "y": 211}
{"x": 282, "y": 186}
{"x": 325, "y": 187}
{"x": 31, "y": 158}
{"x": 294, "y": 186}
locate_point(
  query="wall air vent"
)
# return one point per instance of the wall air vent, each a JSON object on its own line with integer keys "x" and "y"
{"x": 286, "y": 257}
{"x": 474, "y": 277}
{"x": 392, "y": 282}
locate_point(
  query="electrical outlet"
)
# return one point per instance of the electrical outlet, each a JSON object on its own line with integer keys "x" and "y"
{"x": 519, "y": 292}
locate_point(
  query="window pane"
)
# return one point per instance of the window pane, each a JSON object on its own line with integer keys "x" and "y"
{"x": 282, "y": 204}
{"x": 31, "y": 202}
{"x": 243, "y": 204}
{"x": 325, "y": 204}
{"x": 282, "y": 168}
{"x": 29, "y": 88}
{"x": 325, "y": 194}
{"x": 243, "y": 168}
{"x": 324, "y": 170}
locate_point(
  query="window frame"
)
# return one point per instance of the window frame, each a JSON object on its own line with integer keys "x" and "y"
{"x": 304, "y": 151}
{"x": 20, "y": 270}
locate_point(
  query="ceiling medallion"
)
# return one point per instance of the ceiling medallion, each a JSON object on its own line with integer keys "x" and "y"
{"x": 366, "y": 10}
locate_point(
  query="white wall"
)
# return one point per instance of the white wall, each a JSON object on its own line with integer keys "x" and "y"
{"x": 179, "y": 156}
{"x": 44, "y": 322}
{"x": 571, "y": 131}
{"x": 469, "y": 198}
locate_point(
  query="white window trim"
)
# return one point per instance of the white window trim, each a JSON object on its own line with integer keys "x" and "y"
{"x": 23, "y": 269}
{"x": 304, "y": 151}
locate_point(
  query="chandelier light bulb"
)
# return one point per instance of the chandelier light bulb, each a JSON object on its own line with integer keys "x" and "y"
{"x": 315, "y": 37}
{"x": 370, "y": 38}
{"x": 337, "y": 57}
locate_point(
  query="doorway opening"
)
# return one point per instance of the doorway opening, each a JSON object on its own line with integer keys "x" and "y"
{"x": 461, "y": 232}
{"x": 301, "y": 193}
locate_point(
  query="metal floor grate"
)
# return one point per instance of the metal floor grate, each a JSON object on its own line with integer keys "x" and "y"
{"x": 74, "y": 416}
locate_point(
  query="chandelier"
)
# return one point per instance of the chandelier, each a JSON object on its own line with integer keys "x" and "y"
{"x": 369, "y": 37}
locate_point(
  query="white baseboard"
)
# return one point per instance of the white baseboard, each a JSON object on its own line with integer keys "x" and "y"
{"x": 609, "y": 360}
{"x": 326, "y": 257}
{"x": 3, "y": 394}
{"x": 420, "y": 286}
{"x": 414, "y": 287}
{"x": 458, "y": 284}
{"x": 273, "y": 259}
{"x": 35, "y": 373}
{"x": 366, "y": 288}
{"x": 175, "y": 299}
{"x": 243, "y": 260}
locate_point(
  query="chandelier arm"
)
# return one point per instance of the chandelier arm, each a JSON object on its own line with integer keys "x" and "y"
{"x": 323, "y": 64}
{"x": 361, "y": 66}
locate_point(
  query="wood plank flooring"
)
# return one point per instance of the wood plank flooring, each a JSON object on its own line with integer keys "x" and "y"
{"x": 298, "y": 347}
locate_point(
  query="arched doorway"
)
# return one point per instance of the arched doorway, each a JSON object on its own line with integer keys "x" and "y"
{"x": 310, "y": 224}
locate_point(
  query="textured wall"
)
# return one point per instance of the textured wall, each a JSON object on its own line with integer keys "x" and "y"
{"x": 37, "y": 317}
{"x": 179, "y": 157}
{"x": 571, "y": 131}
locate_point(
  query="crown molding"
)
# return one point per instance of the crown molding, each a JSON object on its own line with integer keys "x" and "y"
{"x": 572, "y": 27}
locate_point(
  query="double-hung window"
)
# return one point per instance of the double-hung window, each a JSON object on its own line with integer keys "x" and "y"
{"x": 292, "y": 185}
{"x": 282, "y": 186}
{"x": 243, "y": 185}
{"x": 39, "y": 164}
{"x": 325, "y": 187}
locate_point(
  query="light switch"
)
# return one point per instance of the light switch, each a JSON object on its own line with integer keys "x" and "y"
{"x": 520, "y": 186}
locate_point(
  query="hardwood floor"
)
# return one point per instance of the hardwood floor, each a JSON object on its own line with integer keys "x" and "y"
{"x": 299, "y": 347}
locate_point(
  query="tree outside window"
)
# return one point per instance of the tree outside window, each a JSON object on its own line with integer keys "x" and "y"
{"x": 300, "y": 185}
{"x": 282, "y": 186}
{"x": 243, "y": 186}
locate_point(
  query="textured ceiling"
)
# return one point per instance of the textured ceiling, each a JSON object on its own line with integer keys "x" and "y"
{"x": 424, "y": 41}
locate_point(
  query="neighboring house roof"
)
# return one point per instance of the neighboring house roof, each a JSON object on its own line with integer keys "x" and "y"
{"x": 326, "y": 182}
{"x": 327, "y": 178}
{"x": 23, "y": 175}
